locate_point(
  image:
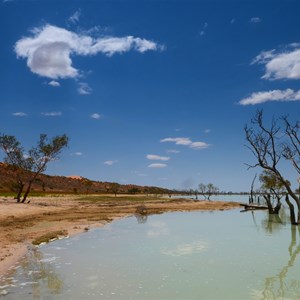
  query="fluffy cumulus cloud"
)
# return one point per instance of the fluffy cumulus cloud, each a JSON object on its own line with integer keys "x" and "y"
{"x": 280, "y": 64}
{"x": 157, "y": 166}
{"x": 186, "y": 142}
{"x": 49, "y": 49}
{"x": 157, "y": 157}
{"x": 274, "y": 95}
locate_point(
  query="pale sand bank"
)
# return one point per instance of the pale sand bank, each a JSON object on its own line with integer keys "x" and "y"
{"x": 21, "y": 223}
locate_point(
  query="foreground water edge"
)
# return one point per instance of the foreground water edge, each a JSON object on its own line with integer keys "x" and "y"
{"x": 195, "y": 255}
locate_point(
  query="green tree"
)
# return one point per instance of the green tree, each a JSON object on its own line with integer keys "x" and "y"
{"x": 114, "y": 187}
{"x": 29, "y": 166}
{"x": 272, "y": 187}
{"x": 207, "y": 190}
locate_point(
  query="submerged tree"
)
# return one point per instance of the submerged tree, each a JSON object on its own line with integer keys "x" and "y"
{"x": 269, "y": 146}
{"x": 272, "y": 188}
{"x": 29, "y": 166}
{"x": 207, "y": 190}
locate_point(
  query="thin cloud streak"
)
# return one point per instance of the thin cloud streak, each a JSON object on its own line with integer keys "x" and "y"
{"x": 52, "y": 114}
{"x": 274, "y": 95}
{"x": 19, "y": 114}
{"x": 157, "y": 157}
{"x": 157, "y": 166}
{"x": 186, "y": 142}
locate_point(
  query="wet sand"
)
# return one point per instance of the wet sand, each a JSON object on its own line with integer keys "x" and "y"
{"x": 22, "y": 223}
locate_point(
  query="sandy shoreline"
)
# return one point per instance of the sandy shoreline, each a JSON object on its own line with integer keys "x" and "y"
{"x": 22, "y": 223}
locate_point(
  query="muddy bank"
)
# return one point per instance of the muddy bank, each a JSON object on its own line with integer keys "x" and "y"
{"x": 21, "y": 224}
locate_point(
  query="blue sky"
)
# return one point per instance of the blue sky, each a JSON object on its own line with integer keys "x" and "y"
{"x": 149, "y": 92}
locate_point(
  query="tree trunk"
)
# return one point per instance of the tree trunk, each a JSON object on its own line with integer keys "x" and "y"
{"x": 269, "y": 204}
{"x": 277, "y": 208}
{"x": 292, "y": 211}
{"x": 20, "y": 191}
{"x": 27, "y": 192}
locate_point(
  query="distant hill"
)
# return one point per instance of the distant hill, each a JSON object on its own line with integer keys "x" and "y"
{"x": 72, "y": 184}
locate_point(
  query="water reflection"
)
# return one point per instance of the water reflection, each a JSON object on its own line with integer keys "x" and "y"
{"x": 281, "y": 285}
{"x": 33, "y": 275}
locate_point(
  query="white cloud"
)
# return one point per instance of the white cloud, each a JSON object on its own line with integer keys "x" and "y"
{"x": 207, "y": 131}
{"x": 75, "y": 17}
{"x": 280, "y": 65}
{"x": 49, "y": 49}
{"x": 19, "y": 114}
{"x": 96, "y": 116}
{"x": 172, "y": 151}
{"x": 84, "y": 88}
{"x": 186, "y": 142}
{"x": 54, "y": 83}
{"x": 110, "y": 162}
{"x": 157, "y": 166}
{"x": 52, "y": 114}
{"x": 157, "y": 157}
{"x": 77, "y": 153}
{"x": 255, "y": 20}
{"x": 275, "y": 95}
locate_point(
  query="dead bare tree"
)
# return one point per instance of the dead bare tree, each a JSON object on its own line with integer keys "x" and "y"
{"x": 269, "y": 147}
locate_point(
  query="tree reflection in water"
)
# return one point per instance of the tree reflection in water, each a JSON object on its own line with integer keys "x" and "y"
{"x": 280, "y": 286}
{"x": 38, "y": 275}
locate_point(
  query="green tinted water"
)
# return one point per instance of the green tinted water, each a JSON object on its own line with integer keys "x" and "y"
{"x": 197, "y": 255}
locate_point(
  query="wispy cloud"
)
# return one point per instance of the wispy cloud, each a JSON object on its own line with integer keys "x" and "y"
{"x": 274, "y": 95}
{"x": 77, "y": 153}
{"x": 74, "y": 18}
{"x": 48, "y": 50}
{"x": 207, "y": 131}
{"x": 52, "y": 114}
{"x": 283, "y": 64}
{"x": 203, "y": 30}
{"x": 110, "y": 162}
{"x": 255, "y": 20}
{"x": 173, "y": 151}
{"x": 157, "y": 157}
{"x": 186, "y": 142}
{"x": 96, "y": 116}
{"x": 54, "y": 83}
{"x": 19, "y": 114}
{"x": 157, "y": 166}
{"x": 84, "y": 88}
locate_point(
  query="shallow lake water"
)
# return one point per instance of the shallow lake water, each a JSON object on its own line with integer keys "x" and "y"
{"x": 195, "y": 255}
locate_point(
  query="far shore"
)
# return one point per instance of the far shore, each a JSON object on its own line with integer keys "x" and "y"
{"x": 21, "y": 224}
